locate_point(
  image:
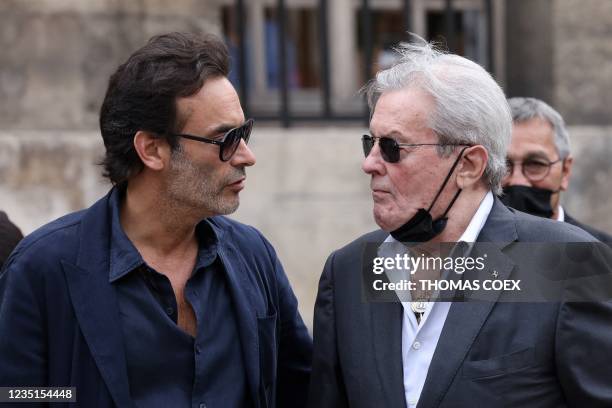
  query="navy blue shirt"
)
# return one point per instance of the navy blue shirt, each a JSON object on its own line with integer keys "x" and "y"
{"x": 166, "y": 366}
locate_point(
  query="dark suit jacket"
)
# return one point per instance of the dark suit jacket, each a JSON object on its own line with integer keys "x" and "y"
{"x": 490, "y": 354}
{"x": 600, "y": 235}
{"x": 60, "y": 324}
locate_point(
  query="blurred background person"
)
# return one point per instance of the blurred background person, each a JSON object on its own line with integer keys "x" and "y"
{"x": 539, "y": 163}
{"x": 10, "y": 235}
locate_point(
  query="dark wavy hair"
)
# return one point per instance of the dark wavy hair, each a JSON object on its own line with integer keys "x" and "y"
{"x": 142, "y": 94}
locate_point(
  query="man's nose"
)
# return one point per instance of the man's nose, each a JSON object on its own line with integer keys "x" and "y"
{"x": 243, "y": 156}
{"x": 373, "y": 163}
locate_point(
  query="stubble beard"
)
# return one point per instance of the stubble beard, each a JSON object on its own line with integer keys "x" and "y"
{"x": 198, "y": 188}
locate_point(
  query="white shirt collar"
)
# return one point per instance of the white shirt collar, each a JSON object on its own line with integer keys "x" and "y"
{"x": 478, "y": 220}
{"x": 560, "y": 214}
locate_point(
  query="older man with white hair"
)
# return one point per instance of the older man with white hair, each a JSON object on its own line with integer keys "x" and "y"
{"x": 540, "y": 163}
{"x": 435, "y": 157}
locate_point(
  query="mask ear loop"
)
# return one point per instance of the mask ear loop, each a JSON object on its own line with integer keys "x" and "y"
{"x": 448, "y": 176}
{"x": 562, "y": 166}
{"x": 559, "y": 189}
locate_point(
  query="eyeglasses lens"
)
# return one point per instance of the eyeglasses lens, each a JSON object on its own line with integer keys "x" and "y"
{"x": 535, "y": 170}
{"x": 531, "y": 169}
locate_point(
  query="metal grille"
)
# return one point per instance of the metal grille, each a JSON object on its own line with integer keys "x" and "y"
{"x": 285, "y": 115}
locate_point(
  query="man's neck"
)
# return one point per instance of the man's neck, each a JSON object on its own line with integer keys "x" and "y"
{"x": 164, "y": 235}
{"x": 155, "y": 226}
{"x": 555, "y": 204}
{"x": 460, "y": 215}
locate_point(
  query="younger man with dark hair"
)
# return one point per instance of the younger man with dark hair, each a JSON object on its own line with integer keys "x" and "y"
{"x": 151, "y": 297}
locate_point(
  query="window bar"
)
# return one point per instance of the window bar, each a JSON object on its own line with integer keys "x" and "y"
{"x": 407, "y": 17}
{"x": 449, "y": 14}
{"x": 366, "y": 19}
{"x": 324, "y": 50}
{"x": 242, "y": 74}
{"x": 284, "y": 85}
{"x": 490, "y": 35}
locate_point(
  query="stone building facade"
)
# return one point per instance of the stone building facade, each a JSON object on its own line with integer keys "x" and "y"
{"x": 561, "y": 51}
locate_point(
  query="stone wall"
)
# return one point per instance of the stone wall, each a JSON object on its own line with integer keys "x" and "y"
{"x": 529, "y": 49}
{"x": 306, "y": 193}
{"x": 57, "y": 55}
{"x": 45, "y": 174}
{"x": 561, "y": 52}
{"x": 588, "y": 198}
{"x": 583, "y": 60}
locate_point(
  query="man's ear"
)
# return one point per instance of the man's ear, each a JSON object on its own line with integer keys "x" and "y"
{"x": 154, "y": 151}
{"x": 472, "y": 166}
{"x": 566, "y": 172}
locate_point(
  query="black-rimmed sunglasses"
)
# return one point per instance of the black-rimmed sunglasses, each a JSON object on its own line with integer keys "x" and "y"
{"x": 230, "y": 141}
{"x": 390, "y": 149}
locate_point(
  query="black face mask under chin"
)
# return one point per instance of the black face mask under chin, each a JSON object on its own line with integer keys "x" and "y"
{"x": 534, "y": 201}
{"x": 422, "y": 227}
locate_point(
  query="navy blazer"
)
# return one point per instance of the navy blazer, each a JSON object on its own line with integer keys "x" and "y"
{"x": 490, "y": 354}
{"x": 60, "y": 324}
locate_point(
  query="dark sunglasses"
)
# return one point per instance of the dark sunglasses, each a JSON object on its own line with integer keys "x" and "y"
{"x": 390, "y": 149}
{"x": 230, "y": 142}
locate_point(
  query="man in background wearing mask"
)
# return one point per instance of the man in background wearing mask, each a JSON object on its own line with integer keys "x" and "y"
{"x": 539, "y": 163}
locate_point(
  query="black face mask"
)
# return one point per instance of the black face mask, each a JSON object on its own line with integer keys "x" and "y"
{"x": 534, "y": 201}
{"x": 422, "y": 227}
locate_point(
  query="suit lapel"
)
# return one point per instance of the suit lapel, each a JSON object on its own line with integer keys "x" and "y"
{"x": 95, "y": 306}
{"x": 465, "y": 319}
{"x": 387, "y": 336}
{"x": 95, "y": 302}
{"x": 386, "y": 320}
{"x": 463, "y": 323}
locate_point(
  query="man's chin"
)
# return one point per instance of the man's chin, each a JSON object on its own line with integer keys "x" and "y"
{"x": 229, "y": 208}
{"x": 385, "y": 222}
{"x": 224, "y": 206}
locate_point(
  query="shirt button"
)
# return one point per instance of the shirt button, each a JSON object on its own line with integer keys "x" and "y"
{"x": 416, "y": 345}
{"x": 169, "y": 311}
{"x": 202, "y": 405}
{"x": 198, "y": 350}
{"x": 413, "y": 401}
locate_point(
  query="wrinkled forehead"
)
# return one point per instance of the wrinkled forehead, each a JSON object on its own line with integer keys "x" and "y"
{"x": 406, "y": 110}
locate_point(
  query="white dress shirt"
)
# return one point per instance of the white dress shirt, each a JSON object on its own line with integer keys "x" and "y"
{"x": 560, "y": 214}
{"x": 419, "y": 341}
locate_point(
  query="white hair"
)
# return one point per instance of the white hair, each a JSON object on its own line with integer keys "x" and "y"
{"x": 524, "y": 109}
{"x": 470, "y": 107}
